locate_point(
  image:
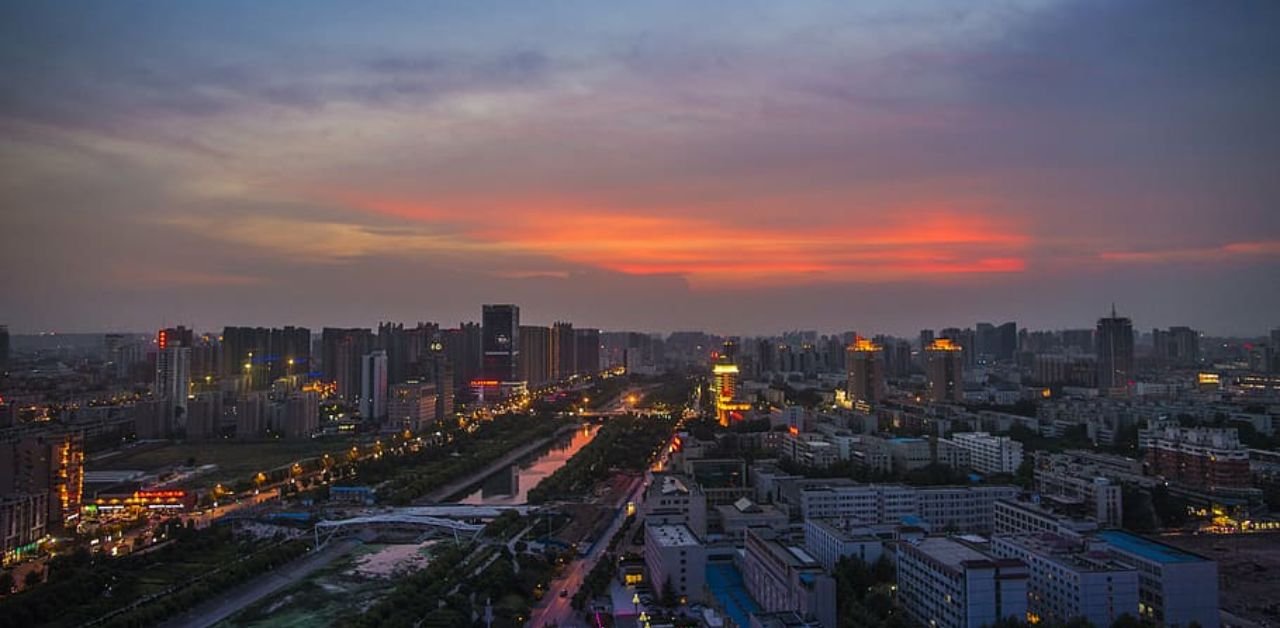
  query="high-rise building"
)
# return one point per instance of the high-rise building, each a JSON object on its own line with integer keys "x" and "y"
{"x": 500, "y": 325}
{"x": 174, "y": 337}
{"x": 564, "y": 350}
{"x": 341, "y": 352}
{"x": 412, "y": 405}
{"x": 944, "y": 368}
{"x": 49, "y": 465}
{"x": 204, "y": 417}
{"x": 537, "y": 346}
{"x": 173, "y": 383}
{"x": 587, "y": 343}
{"x": 1177, "y": 347}
{"x": 373, "y": 385}
{"x": 301, "y": 414}
{"x": 724, "y": 392}
{"x": 866, "y": 371}
{"x": 1114, "y": 347}
{"x": 943, "y": 583}
{"x": 4, "y": 348}
{"x": 441, "y": 374}
{"x": 251, "y": 415}
{"x": 462, "y": 348}
{"x": 269, "y": 353}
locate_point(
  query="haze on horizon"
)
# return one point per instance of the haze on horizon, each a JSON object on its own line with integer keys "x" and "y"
{"x": 738, "y": 167}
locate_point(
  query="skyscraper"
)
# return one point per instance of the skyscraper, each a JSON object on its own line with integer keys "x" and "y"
{"x": 271, "y": 353}
{"x": 1114, "y": 347}
{"x": 944, "y": 368}
{"x": 587, "y": 342}
{"x": 4, "y": 348}
{"x": 866, "y": 371}
{"x": 462, "y": 347}
{"x": 500, "y": 325}
{"x": 342, "y": 351}
{"x": 173, "y": 383}
{"x": 536, "y": 350}
{"x": 564, "y": 353}
{"x": 373, "y": 385}
{"x": 1178, "y": 347}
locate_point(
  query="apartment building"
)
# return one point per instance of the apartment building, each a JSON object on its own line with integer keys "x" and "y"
{"x": 672, "y": 553}
{"x": 944, "y": 583}
{"x": 1175, "y": 588}
{"x": 1072, "y": 578}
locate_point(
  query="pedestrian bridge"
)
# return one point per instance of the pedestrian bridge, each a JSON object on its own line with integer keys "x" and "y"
{"x": 418, "y": 526}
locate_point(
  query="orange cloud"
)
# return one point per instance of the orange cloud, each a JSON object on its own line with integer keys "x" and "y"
{"x": 1234, "y": 251}
{"x": 908, "y": 243}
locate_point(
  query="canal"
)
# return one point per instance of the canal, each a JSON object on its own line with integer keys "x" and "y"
{"x": 511, "y": 485}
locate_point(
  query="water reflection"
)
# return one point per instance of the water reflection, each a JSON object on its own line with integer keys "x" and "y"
{"x": 511, "y": 485}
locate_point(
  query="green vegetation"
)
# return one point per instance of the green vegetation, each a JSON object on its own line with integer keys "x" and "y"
{"x": 408, "y": 477}
{"x": 864, "y": 595}
{"x": 626, "y": 443}
{"x": 145, "y": 588}
{"x": 236, "y": 460}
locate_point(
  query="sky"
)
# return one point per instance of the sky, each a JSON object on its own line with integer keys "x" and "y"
{"x": 738, "y": 167}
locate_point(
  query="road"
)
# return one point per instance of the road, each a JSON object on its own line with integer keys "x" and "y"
{"x": 231, "y": 602}
{"x": 559, "y": 610}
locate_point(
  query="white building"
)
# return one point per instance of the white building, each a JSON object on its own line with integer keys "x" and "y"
{"x": 1175, "y": 587}
{"x": 987, "y": 453}
{"x": 962, "y": 508}
{"x": 674, "y": 499}
{"x": 1072, "y": 578}
{"x": 829, "y": 541}
{"x": 943, "y": 583}
{"x": 1017, "y": 517}
{"x": 173, "y": 379}
{"x": 672, "y": 553}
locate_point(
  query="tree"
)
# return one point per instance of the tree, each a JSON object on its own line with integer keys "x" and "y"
{"x": 1127, "y": 621}
{"x": 1025, "y": 476}
{"x": 6, "y": 583}
{"x": 31, "y": 579}
{"x": 669, "y": 594}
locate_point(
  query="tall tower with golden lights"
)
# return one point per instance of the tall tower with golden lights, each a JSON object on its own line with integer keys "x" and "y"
{"x": 866, "y": 371}
{"x": 944, "y": 367}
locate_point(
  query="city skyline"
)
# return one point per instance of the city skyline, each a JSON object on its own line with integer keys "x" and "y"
{"x": 736, "y": 168}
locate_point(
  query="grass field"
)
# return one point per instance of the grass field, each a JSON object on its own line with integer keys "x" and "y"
{"x": 235, "y": 460}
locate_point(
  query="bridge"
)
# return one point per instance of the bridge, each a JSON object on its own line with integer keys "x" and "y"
{"x": 421, "y": 525}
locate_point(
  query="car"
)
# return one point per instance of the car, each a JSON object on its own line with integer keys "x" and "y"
{"x": 564, "y": 593}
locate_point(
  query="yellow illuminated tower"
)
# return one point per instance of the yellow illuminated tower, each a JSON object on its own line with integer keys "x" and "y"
{"x": 943, "y": 365}
{"x": 724, "y": 387}
{"x": 866, "y": 372}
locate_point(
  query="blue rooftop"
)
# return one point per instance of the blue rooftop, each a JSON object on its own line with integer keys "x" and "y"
{"x": 1147, "y": 548}
{"x": 905, "y": 439}
{"x": 730, "y": 592}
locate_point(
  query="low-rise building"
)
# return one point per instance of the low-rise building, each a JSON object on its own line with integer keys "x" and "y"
{"x": 675, "y": 499}
{"x": 673, "y": 554}
{"x": 784, "y": 577}
{"x": 1027, "y": 516}
{"x": 1072, "y": 578}
{"x": 943, "y": 583}
{"x": 987, "y": 453}
{"x": 735, "y": 518}
{"x": 829, "y": 541}
{"x": 1175, "y": 587}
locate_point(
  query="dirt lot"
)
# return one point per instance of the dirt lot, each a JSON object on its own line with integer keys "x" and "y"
{"x": 1248, "y": 569}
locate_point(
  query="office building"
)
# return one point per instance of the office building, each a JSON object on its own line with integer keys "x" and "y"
{"x": 1203, "y": 458}
{"x": 412, "y": 406}
{"x": 734, "y": 519}
{"x": 724, "y": 393}
{"x": 673, "y": 554}
{"x": 784, "y": 577}
{"x": 943, "y": 583}
{"x": 500, "y": 325}
{"x": 373, "y": 385}
{"x": 1019, "y": 516}
{"x": 963, "y": 508}
{"x": 944, "y": 369}
{"x": 1072, "y": 578}
{"x": 1114, "y": 348}
{"x": 865, "y": 364}
{"x": 987, "y": 453}
{"x": 1175, "y": 588}
{"x": 462, "y": 347}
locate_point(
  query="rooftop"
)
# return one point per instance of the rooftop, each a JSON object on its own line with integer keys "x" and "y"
{"x": 726, "y": 586}
{"x": 950, "y": 553}
{"x": 678, "y": 535}
{"x": 1145, "y": 548}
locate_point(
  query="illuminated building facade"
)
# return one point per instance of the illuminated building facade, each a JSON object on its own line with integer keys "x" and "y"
{"x": 1114, "y": 348}
{"x": 724, "y": 389}
{"x": 24, "y": 520}
{"x": 500, "y": 326}
{"x": 412, "y": 405}
{"x": 944, "y": 368}
{"x": 866, "y": 371}
{"x": 49, "y": 465}
{"x": 173, "y": 382}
